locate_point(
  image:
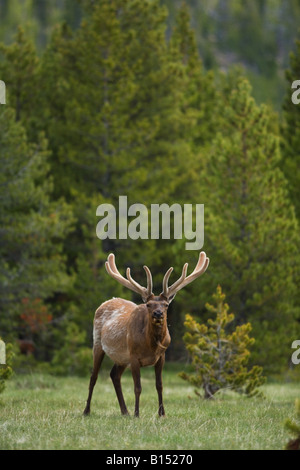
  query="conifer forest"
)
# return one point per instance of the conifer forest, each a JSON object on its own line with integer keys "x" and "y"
{"x": 166, "y": 102}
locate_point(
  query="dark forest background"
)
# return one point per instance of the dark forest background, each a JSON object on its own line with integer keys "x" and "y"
{"x": 163, "y": 102}
{"x": 258, "y": 35}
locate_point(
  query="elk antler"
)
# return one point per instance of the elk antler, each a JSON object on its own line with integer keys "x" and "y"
{"x": 201, "y": 266}
{"x": 130, "y": 283}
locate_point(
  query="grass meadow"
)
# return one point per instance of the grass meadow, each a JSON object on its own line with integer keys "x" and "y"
{"x": 42, "y": 412}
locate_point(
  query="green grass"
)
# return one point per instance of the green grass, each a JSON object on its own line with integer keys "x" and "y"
{"x": 45, "y": 412}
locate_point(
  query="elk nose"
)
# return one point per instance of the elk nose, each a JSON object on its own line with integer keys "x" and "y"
{"x": 157, "y": 314}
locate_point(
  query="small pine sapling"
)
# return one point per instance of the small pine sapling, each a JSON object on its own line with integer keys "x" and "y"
{"x": 220, "y": 357}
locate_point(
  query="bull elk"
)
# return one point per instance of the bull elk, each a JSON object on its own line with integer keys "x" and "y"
{"x": 136, "y": 335}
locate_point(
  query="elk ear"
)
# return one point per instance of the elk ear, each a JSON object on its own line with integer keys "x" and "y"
{"x": 168, "y": 299}
{"x": 163, "y": 297}
{"x": 171, "y": 298}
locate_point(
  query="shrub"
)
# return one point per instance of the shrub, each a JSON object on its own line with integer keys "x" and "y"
{"x": 73, "y": 358}
{"x": 219, "y": 357}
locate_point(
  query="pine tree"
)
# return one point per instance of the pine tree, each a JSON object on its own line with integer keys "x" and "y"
{"x": 116, "y": 126}
{"x": 199, "y": 105}
{"x": 72, "y": 358}
{"x": 113, "y": 102}
{"x": 291, "y": 132}
{"x": 32, "y": 226}
{"x": 199, "y": 101}
{"x": 220, "y": 357}
{"x": 251, "y": 232}
{"x": 20, "y": 70}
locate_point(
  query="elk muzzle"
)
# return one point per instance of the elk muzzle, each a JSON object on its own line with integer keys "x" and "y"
{"x": 158, "y": 317}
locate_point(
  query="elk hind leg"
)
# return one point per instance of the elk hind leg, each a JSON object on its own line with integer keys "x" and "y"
{"x": 98, "y": 358}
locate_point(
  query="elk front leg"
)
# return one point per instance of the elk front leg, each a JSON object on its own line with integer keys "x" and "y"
{"x": 115, "y": 376}
{"x": 159, "y": 387}
{"x": 136, "y": 375}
